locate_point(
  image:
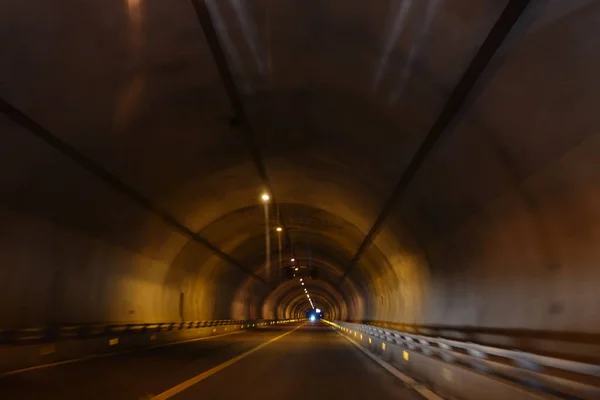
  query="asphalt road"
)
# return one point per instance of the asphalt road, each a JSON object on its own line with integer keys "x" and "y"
{"x": 307, "y": 361}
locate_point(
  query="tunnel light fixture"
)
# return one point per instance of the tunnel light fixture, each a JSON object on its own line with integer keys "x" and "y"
{"x": 292, "y": 260}
{"x": 279, "y": 229}
{"x": 302, "y": 283}
{"x": 300, "y": 279}
{"x": 265, "y": 197}
{"x": 296, "y": 269}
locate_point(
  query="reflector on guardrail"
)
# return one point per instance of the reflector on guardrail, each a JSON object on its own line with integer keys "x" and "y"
{"x": 549, "y": 374}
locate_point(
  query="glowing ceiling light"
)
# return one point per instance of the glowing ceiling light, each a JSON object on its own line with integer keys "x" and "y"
{"x": 279, "y": 229}
{"x": 296, "y": 269}
{"x": 293, "y": 259}
{"x": 318, "y": 310}
{"x": 265, "y": 197}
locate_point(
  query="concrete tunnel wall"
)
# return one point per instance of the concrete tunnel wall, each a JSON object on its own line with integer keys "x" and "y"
{"x": 498, "y": 229}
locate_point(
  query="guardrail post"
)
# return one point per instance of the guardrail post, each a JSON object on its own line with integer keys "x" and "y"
{"x": 51, "y": 333}
{"x": 477, "y": 363}
{"x": 445, "y": 353}
{"x": 410, "y": 343}
{"x": 7, "y": 336}
{"x": 83, "y": 331}
{"x": 425, "y": 347}
{"x": 522, "y": 361}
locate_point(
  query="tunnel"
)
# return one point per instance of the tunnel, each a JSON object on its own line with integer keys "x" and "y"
{"x": 420, "y": 166}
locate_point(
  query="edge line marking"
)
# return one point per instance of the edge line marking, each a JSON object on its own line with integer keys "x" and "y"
{"x": 202, "y": 376}
{"x": 410, "y": 382}
{"x": 94, "y": 356}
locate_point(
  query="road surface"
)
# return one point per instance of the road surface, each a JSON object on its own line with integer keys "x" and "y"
{"x": 302, "y": 361}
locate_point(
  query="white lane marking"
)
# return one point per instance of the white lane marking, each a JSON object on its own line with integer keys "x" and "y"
{"x": 94, "y": 356}
{"x": 200, "y": 377}
{"x": 410, "y": 382}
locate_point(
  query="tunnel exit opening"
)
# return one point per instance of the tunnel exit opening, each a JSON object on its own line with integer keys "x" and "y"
{"x": 314, "y": 314}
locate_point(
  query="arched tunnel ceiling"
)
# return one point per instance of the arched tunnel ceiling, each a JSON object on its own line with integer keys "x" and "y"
{"x": 339, "y": 96}
{"x": 142, "y": 113}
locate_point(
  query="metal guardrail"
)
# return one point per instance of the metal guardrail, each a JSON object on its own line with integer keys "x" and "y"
{"x": 558, "y": 377}
{"x": 46, "y": 334}
{"x": 571, "y": 345}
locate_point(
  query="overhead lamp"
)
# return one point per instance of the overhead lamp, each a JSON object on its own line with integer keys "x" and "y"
{"x": 300, "y": 279}
{"x": 302, "y": 283}
{"x": 296, "y": 269}
{"x": 293, "y": 259}
{"x": 265, "y": 197}
{"x": 279, "y": 229}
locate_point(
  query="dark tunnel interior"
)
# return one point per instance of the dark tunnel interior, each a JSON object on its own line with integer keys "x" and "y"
{"x": 136, "y": 144}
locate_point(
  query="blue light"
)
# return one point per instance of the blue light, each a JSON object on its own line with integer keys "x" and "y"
{"x": 313, "y": 318}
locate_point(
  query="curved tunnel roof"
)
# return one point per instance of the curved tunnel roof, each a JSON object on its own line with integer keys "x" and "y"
{"x": 142, "y": 153}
